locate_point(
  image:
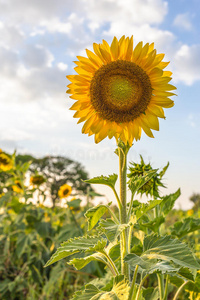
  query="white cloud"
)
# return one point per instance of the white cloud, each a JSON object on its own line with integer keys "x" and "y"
{"x": 62, "y": 66}
{"x": 134, "y": 11}
{"x": 183, "y": 21}
{"x": 187, "y": 64}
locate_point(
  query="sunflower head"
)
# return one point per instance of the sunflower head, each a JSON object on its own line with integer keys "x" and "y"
{"x": 37, "y": 180}
{"x": 151, "y": 187}
{"x": 64, "y": 191}
{"x": 6, "y": 162}
{"x": 120, "y": 90}
{"x": 17, "y": 187}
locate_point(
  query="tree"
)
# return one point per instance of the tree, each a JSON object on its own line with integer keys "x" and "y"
{"x": 58, "y": 170}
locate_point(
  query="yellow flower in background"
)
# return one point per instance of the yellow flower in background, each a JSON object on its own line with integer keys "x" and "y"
{"x": 190, "y": 212}
{"x": 64, "y": 191}
{"x": 120, "y": 90}
{"x": 37, "y": 180}
{"x": 17, "y": 187}
{"x": 6, "y": 162}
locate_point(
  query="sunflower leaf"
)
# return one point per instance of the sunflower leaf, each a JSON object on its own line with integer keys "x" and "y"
{"x": 168, "y": 202}
{"x": 94, "y": 214}
{"x": 163, "y": 254}
{"x": 112, "y": 230}
{"x": 79, "y": 263}
{"x": 119, "y": 291}
{"x": 109, "y": 180}
{"x": 80, "y": 244}
{"x": 184, "y": 227}
{"x": 145, "y": 207}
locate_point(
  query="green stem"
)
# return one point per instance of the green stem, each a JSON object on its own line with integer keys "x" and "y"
{"x": 114, "y": 216}
{"x": 130, "y": 207}
{"x": 130, "y": 238}
{"x": 133, "y": 283}
{"x": 111, "y": 262}
{"x": 123, "y": 208}
{"x": 166, "y": 288}
{"x": 179, "y": 290}
{"x": 161, "y": 286}
{"x": 118, "y": 200}
{"x": 140, "y": 286}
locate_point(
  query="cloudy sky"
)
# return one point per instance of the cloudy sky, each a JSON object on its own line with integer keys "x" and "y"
{"x": 39, "y": 40}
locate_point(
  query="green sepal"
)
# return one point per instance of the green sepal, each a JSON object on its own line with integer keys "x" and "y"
{"x": 136, "y": 183}
{"x": 109, "y": 180}
{"x": 80, "y": 244}
{"x": 94, "y": 214}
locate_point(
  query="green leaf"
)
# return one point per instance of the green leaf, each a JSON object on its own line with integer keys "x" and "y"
{"x": 151, "y": 293}
{"x": 166, "y": 248}
{"x": 145, "y": 207}
{"x": 150, "y": 265}
{"x": 153, "y": 224}
{"x": 136, "y": 183}
{"x": 80, "y": 244}
{"x": 74, "y": 204}
{"x": 162, "y": 173}
{"x": 184, "y": 227}
{"x": 119, "y": 291}
{"x": 22, "y": 245}
{"x": 168, "y": 202}
{"x": 94, "y": 214}
{"x": 79, "y": 263}
{"x": 109, "y": 180}
{"x": 112, "y": 230}
{"x": 164, "y": 254}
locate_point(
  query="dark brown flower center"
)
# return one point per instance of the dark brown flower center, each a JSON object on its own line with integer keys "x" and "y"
{"x": 120, "y": 91}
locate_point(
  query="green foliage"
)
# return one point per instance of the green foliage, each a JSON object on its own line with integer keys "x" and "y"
{"x": 184, "y": 227}
{"x": 80, "y": 244}
{"x": 151, "y": 186}
{"x": 106, "y": 180}
{"x": 94, "y": 214}
{"x": 112, "y": 230}
{"x": 119, "y": 291}
{"x": 163, "y": 254}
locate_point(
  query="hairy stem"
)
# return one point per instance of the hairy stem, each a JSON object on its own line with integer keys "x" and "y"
{"x": 111, "y": 263}
{"x": 133, "y": 283}
{"x": 179, "y": 290}
{"x": 140, "y": 286}
{"x": 161, "y": 285}
{"x": 166, "y": 288}
{"x": 123, "y": 209}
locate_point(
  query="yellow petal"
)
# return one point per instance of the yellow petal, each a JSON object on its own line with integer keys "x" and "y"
{"x": 114, "y": 49}
{"x": 94, "y": 58}
{"x": 156, "y": 110}
{"x": 150, "y": 120}
{"x": 129, "y": 50}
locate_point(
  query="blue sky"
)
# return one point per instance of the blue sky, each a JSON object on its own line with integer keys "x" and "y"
{"x": 39, "y": 42}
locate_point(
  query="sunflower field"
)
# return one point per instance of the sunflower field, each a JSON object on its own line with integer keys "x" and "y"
{"x": 38, "y": 214}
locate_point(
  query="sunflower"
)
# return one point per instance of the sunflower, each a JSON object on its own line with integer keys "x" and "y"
{"x": 17, "y": 187}
{"x": 64, "y": 191}
{"x": 6, "y": 162}
{"x": 120, "y": 90}
{"x": 37, "y": 180}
